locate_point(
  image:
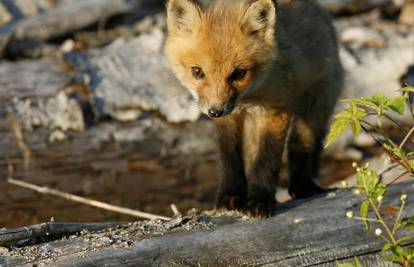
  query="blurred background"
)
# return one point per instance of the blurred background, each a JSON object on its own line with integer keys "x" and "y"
{"x": 89, "y": 107}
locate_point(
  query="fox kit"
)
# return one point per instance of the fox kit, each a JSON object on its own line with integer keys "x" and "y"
{"x": 268, "y": 73}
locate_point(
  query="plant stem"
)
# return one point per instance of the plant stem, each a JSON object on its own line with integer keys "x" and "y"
{"x": 397, "y": 220}
{"x": 386, "y": 239}
{"x": 396, "y": 123}
{"x": 393, "y": 158}
{"x": 378, "y": 215}
{"x": 389, "y": 168}
{"x": 398, "y": 177}
{"x": 382, "y": 222}
{"x": 379, "y": 122}
{"x": 407, "y": 137}
{"x": 365, "y": 219}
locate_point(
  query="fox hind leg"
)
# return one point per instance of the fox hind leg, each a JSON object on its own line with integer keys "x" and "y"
{"x": 304, "y": 157}
{"x": 305, "y": 144}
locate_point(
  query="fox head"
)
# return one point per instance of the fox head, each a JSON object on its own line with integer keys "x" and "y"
{"x": 222, "y": 52}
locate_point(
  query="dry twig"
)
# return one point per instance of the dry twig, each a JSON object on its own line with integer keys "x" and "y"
{"x": 86, "y": 201}
{"x": 175, "y": 210}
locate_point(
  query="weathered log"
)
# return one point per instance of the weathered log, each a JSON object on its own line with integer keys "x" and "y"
{"x": 32, "y": 79}
{"x": 34, "y": 93}
{"x": 12, "y": 10}
{"x": 302, "y": 233}
{"x": 47, "y": 231}
{"x": 132, "y": 76}
{"x": 64, "y": 19}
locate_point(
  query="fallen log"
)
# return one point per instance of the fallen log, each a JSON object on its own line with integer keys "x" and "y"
{"x": 34, "y": 92}
{"x": 62, "y": 20}
{"x": 32, "y": 79}
{"x": 131, "y": 76}
{"x": 302, "y": 233}
{"x": 47, "y": 231}
{"x": 12, "y": 10}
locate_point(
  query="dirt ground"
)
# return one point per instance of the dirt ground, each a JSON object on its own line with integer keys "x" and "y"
{"x": 128, "y": 175}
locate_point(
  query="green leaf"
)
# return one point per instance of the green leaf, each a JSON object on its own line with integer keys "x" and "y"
{"x": 411, "y": 162}
{"x": 363, "y": 102}
{"x": 392, "y": 148}
{"x": 356, "y": 263}
{"x": 407, "y": 223}
{"x": 338, "y": 264}
{"x": 404, "y": 239}
{"x": 398, "y": 104}
{"x": 357, "y": 113}
{"x": 407, "y": 89}
{"x": 387, "y": 246}
{"x": 379, "y": 100}
{"x": 343, "y": 120}
{"x": 379, "y": 190}
{"x": 338, "y": 127}
{"x": 409, "y": 253}
{"x": 397, "y": 255}
{"x": 367, "y": 180}
{"x": 397, "y": 250}
{"x": 394, "y": 258}
{"x": 356, "y": 127}
{"x": 363, "y": 211}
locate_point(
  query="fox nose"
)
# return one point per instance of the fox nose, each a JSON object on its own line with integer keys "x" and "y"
{"x": 215, "y": 112}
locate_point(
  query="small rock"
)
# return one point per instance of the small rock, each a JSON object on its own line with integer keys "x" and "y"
{"x": 67, "y": 46}
{"x": 57, "y": 136}
{"x": 126, "y": 115}
{"x": 4, "y": 252}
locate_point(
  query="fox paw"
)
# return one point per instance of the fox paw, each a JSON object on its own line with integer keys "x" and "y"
{"x": 260, "y": 209}
{"x": 230, "y": 202}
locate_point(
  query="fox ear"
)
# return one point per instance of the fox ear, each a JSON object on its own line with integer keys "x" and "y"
{"x": 183, "y": 15}
{"x": 260, "y": 18}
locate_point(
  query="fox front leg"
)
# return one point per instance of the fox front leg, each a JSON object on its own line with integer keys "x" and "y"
{"x": 264, "y": 154}
{"x": 232, "y": 188}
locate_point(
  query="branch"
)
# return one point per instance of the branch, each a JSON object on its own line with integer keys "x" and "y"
{"x": 46, "y": 231}
{"x": 90, "y": 202}
{"x": 406, "y": 138}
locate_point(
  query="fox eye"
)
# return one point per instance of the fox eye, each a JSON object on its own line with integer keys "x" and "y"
{"x": 238, "y": 74}
{"x": 197, "y": 73}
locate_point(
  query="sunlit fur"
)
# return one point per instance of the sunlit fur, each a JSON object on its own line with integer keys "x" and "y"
{"x": 294, "y": 78}
{"x": 220, "y": 40}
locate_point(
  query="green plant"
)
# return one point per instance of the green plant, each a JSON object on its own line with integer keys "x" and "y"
{"x": 369, "y": 182}
{"x": 356, "y": 263}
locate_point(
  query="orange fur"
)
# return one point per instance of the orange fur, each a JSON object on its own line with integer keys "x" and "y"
{"x": 291, "y": 72}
